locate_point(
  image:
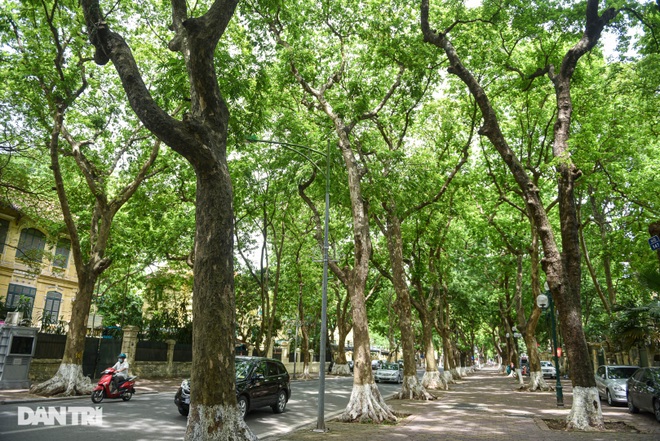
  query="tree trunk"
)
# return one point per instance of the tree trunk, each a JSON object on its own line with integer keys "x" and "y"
{"x": 344, "y": 326}
{"x": 366, "y": 403}
{"x": 202, "y": 139}
{"x": 410, "y": 388}
{"x": 432, "y": 378}
{"x": 305, "y": 341}
{"x": 213, "y": 413}
{"x": 585, "y": 412}
{"x": 69, "y": 379}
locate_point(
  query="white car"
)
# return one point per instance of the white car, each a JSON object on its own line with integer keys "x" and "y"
{"x": 548, "y": 369}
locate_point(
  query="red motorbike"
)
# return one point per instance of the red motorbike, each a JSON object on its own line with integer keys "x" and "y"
{"x": 103, "y": 389}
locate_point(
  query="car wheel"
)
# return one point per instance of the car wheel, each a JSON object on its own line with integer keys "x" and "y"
{"x": 280, "y": 405}
{"x": 242, "y": 406}
{"x": 656, "y": 409}
{"x": 609, "y": 398}
{"x": 631, "y": 407}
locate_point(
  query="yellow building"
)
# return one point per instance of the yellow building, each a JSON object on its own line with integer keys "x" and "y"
{"x": 35, "y": 267}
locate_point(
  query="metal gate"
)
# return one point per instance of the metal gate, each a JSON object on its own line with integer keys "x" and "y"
{"x": 100, "y": 353}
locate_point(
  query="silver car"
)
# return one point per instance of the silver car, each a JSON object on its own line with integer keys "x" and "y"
{"x": 392, "y": 372}
{"x": 611, "y": 382}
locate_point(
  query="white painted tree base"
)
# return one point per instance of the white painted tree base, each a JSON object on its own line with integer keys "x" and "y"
{"x": 537, "y": 382}
{"x": 367, "y": 405}
{"x": 448, "y": 377}
{"x": 341, "y": 369}
{"x": 412, "y": 389}
{"x": 68, "y": 381}
{"x": 305, "y": 374}
{"x": 433, "y": 380}
{"x": 519, "y": 374}
{"x": 586, "y": 413}
{"x": 217, "y": 423}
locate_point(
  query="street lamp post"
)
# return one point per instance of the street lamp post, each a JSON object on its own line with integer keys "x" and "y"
{"x": 320, "y": 422}
{"x": 544, "y": 301}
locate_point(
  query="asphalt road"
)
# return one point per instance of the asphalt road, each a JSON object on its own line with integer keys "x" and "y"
{"x": 155, "y": 417}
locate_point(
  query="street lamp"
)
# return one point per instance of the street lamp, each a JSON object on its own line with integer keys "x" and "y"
{"x": 320, "y": 421}
{"x": 544, "y": 301}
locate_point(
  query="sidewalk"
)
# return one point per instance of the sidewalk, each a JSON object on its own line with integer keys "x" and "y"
{"x": 485, "y": 405}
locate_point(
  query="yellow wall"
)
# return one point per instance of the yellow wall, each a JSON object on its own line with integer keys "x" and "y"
{"x": 12, "y": 270}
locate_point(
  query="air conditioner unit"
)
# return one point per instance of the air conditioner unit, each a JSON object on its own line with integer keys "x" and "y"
{"x": 14, "y": 318}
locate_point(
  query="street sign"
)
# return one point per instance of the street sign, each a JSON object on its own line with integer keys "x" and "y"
{"x": 654, "y": 243}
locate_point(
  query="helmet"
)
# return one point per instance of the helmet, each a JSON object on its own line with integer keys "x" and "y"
{"x": 122, "y": 355}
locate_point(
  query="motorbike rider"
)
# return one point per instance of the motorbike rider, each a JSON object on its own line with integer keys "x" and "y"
{"x": 121, "y": 371}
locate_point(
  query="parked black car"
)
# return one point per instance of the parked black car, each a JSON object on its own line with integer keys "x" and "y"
{"x": 260, "y": 382}
{"x": 644, "y": 391}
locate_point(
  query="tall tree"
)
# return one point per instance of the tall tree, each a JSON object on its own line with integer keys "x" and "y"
{"x": 562, "y": 269}
{"x": 82, "y": 147}
{"x": 343, "y": 111}
{"x": 395, "y": 211}
{"x": 201, "y": 138}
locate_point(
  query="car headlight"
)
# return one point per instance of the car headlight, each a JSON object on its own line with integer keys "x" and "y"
{"x": 619, "y": 388}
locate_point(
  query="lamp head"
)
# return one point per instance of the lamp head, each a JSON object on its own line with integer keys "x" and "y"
{"x": 542, "y": 301}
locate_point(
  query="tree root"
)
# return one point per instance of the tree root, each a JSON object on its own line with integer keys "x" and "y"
{"x": 433, "y": 380}
{"x": 341, "y": 369}
{"x": 537, "y": 382}
{"x": 412, "y": 389}
{"x": 217, "y": 423}
{"x": 367, "y": 405}
{"x": 448, "y": 377}
{"x": 68, "y": 381}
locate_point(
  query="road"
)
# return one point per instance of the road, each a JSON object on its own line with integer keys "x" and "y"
{"x": 155, "y": 417}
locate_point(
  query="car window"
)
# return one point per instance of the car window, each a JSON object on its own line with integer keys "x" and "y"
{"x": 601, "y": 372}
{"x": 655, "y": 375}
{"x": 272, "y": 369}
{"x": 638, "y": 375}
{"x": 621, "y": 373}
{"x": 391, "y": 366}
{"x": 242, "y": 369}
{"x": 281, "y": 369}
{"x": 261, "y": 369}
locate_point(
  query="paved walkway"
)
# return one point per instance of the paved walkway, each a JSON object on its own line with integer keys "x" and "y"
{"x": 483, "y": 406}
